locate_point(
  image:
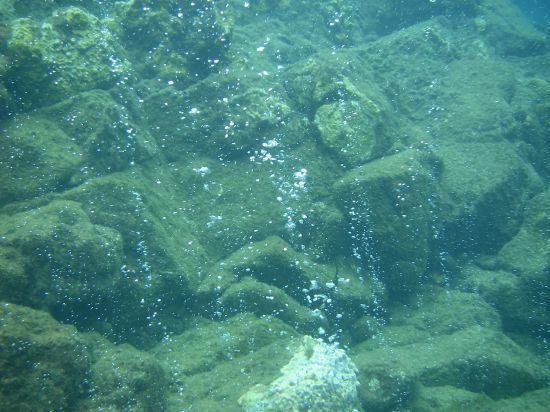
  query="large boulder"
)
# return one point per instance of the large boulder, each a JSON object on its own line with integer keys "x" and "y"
{"x": 69, "y": 52}
{"x": 14, "y": 277}
{"x": 387, "y": 203}
{"x": 36, "y": 157}
{"x": 441, "y": 312}
{"x": 484, "y": 188}
{"x": 249, "y": 295}
{"x": 106, "y": 132}
{"x": 476, "y": 359}
{"x": 516, "y": 280}
{"x": 231, "y": 204}
{"x": 394, "y": 15}
{"x": 124, "y": 378}
{"x": 43, "y": 365}
{"x": 86, "y": 136}
{"x": 506, "y": 28}
{"x": 319, "y": 377}
{"x": 162, "y": 257}
{"x": 213, "y": 363}
{"x": 175, "y": 41}
{"x": 271, "y": 260}
{"x": 352, "y": 129}
{"x": 448, "y": 398}
{"x": 528, "y": 253}
{"x": 271, "y": 278}
{"x": 224, "y": 117}
{"x": 70, "y": 264}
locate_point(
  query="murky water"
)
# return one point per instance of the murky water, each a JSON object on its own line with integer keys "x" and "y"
{"x": 266, "y": 205}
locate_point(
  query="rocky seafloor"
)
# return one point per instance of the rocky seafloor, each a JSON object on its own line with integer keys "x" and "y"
{"x": 195, "y": 195}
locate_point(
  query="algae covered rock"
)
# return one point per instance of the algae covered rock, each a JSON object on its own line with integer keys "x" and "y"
{"x": 319, "y": 377}
{"x": 126, "y": 379}
{"x": 175, "y": 40}
{"x": 448, "y": 398}
{"x": 223, "y": 199}
{"x": 213, "y": 363}
{"x": 227, "y": 118}
{"x": 14, "y": 278}
{"x": 352, "y": 130}
{"x": 107, "y": 134}
{"x": 508, "y": 30}
{"x": 72, "y": 262}
{"x": 442, "y": 312}
{"x": 162, "y": 257}
{"x": 67, "y": 53}
{"x": 36, "y": 158}
{"x": 394, "y": 15}
{"x": 271, "y": 278}
{"x": 484, "y": 189}
{"x": 324, "y": 231}
{"x": 387, "y": 203}
{"x": 262, "y": 299}
{"x": 209, "y": 343}
{"x": 476, "y": 359}
{"x": 528, "y": 253}
{"x": 271, "y": 260}
{"x": 516, "y": 280}
{"x": 43, "y": 364}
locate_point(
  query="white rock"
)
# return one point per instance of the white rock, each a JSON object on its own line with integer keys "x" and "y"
{"x": 319, "y": 378}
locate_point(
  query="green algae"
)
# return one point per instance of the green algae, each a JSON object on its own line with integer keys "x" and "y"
{"x": 187, "y": 188}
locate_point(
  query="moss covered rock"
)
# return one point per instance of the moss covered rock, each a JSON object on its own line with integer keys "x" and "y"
{"x": 448, "y": 398}
{"x": 67, "y": 53}
{"x": 43, "y": 364}
{"x": 37, "y": 157}
{"x": 176, "y": 41}
{"x": 476, "y": 359}
{"x": 14, "y": 277}
{"x": 352, "y": 130}
{"x": 262, "y": 299}
{"x": 515, "y": 281}
{"x": 226, "y": 118}
{"x": 108, "y": 135}
{"x": 212, "y": 364}
{"x": 484, "y": 189}
{"x": 387, "y": 203}
{"x": 272, "y": 261}
{"x": 70, "y": 262}
{"x": 123, "y": 378}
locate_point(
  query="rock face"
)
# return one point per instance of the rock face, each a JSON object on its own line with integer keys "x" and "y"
{"x": 73, "y": 44}
{"x": 188, "y": 187}
{"x": 388, "y": 211}
{"x": 319, "y": 377}
{"x": 44, "y": 365}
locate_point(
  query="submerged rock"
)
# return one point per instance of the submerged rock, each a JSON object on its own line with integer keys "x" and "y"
{"x": 484, "y": 189}
{"x": 69, "y": 262}
{"x": 319, "y": 377}
{"x": 476, "y": 359}
{"x": 69, "y": 52}
{"x": 37, "y": 157}
{"x": 388, "y": 203}
{"x": 43, "y": 364}
{"x": 125, "y": 378}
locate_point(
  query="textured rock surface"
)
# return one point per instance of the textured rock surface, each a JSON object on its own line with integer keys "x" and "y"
{"x": 207, "y": 180}
{"x": 382, "y": 199}
{"x": 474, "y": 358}
{"x": 44, "y": 365}
{"x": 318, "y": 377}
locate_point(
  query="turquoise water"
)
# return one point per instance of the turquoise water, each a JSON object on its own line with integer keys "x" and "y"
{"x": 274, "y": 205}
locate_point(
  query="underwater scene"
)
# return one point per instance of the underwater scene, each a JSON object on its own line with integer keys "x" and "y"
{"x": 274, "y": 205}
